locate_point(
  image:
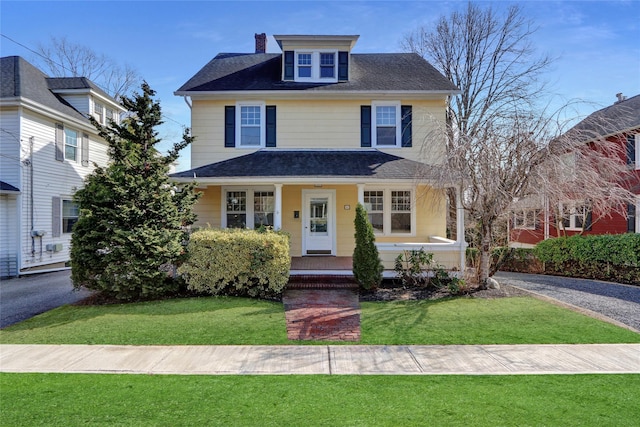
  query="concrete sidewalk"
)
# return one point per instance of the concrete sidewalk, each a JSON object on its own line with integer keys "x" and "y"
{"x": 326, "y": 360}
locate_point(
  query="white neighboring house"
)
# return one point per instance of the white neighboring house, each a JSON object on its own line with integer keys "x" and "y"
{"x": 47, "y": 148}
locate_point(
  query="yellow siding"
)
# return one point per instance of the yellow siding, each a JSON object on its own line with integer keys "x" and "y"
{"x": 208, "y": 207}
{"x": 316, "y": 124}
{"x": 430, "y": 218}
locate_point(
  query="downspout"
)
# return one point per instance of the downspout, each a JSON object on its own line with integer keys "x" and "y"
{"x": 33, "y": 239}
{"x": 186, "y": 101}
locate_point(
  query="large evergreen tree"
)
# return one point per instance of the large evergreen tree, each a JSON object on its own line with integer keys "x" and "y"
{"x": 131, "y": 229}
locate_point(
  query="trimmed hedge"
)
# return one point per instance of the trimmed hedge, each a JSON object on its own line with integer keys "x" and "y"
{"x": 614, "y": 257}
{"x": 237, "y": 262}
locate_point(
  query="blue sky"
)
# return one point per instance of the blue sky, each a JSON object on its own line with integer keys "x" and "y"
{"x": 596, "y": 42}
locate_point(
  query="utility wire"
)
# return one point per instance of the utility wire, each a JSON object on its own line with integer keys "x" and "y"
{"x": 164, "y": 116}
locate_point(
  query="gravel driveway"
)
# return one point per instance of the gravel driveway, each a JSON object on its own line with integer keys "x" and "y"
{"x": 616, "y": 301}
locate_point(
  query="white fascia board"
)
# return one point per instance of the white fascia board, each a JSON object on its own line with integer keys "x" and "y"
{"x": 298, "y": 181}
{"x": 293, "y": 94}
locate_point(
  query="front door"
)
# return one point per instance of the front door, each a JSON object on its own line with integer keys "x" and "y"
{"x": 318, "y": 233}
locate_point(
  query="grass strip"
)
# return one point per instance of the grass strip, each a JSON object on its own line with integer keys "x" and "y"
{"x": 142, "y": 400}
{"x": 238, "y": 321}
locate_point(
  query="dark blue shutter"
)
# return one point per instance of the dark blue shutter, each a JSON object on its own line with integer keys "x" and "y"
{"x": 365, "y": 126}
{"x": 271, "y": 126}
{"x": 229, "y": 126}
{"x": 631, "y": 218}
{"x": 588, "y": 220}
{"x": 288, "y": 65}
{"x": 631, "y": 150}
{"x": 343, "y": 66}
{"x": 406, "y": 115}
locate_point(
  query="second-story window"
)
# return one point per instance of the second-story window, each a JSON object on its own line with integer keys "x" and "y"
{"x": 70, "y": 144}
{"x": 250, "y": 132}
{"x": 98, "y": 111}
{"x": 386, "y": 122}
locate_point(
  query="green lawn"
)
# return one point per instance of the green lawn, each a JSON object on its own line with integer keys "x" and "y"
{"x": 245, "y": 321}
{"x": 142, "y": 400}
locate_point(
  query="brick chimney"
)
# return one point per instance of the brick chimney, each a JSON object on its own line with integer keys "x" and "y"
{"x": 261, "y": 43}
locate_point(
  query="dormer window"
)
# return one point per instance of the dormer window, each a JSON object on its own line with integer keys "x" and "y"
{"x": 98, "y": 110}
{"x": 316, "y": 66}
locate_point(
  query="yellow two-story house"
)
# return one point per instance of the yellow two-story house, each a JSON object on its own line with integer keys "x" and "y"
{"x": 294, "y": 140}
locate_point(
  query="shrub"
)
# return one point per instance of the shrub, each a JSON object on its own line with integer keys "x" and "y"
{"x": 367, "y": 267}
{"x": 237, "y": 262}
{"x": 605, "y": 257}
{"x": 417, "y": 268}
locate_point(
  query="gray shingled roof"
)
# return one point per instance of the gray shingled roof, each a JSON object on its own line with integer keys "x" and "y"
{"x": 368, "y": 72}
{"x": 364, "y": 164}
{"x": 21, "y": 79}
{"x": 620, "y": 117}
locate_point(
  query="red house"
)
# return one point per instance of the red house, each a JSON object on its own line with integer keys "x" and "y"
{"x": 534, "y": 220}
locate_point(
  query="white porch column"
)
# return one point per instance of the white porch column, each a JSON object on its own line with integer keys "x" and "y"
{"x": 361, "y": 194}
{"x": 460, "y": 229}
{"x": 277, "y": 214}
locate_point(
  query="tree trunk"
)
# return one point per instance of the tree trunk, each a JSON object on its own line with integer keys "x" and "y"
{"x": 485, "y": 255}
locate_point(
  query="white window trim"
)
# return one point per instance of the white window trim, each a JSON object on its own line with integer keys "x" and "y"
{"x": 572, "y": 216}
{"x": 78, "y": 146}
{"x": 525, "y": 223}
{"x": 315, "y": 66}
{"x": 249, "y": 212}
{"x": 637, "y": 204}
{"x": 374, "y": 123}
{"x": 263, "y": 124}
{"x": 386, "y": 210}
{"x": 637, "y": 167}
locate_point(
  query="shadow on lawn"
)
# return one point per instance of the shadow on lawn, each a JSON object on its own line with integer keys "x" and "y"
{"x": 162, "y": 308}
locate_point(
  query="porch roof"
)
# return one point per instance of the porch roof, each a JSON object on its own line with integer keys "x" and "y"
{"x": 6, "y": 187}
{"x": 306, "y": 165}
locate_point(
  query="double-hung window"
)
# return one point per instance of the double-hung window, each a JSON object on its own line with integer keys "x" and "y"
{"x": 390, "y": 212}
{"x": 526, "y": 219}
{"x": 304, "y": 65}
{"x": 386, "y": 124}
{"x": 251, "y": 130}
{"x": 574, "y": 216}
{"x": 70, "y": 144}
{"x": 374, "y": 204}
{"x": 251, "y": 208}
{"x": 98, "y": 111}
{"x": 70, "y": 214}
{"x": 327, "y": 65}
{"x": 236, "y": 202}
{"x": 263, "y": 207}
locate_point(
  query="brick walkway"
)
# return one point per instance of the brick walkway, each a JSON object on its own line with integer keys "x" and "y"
{"x": 322, "y": 314}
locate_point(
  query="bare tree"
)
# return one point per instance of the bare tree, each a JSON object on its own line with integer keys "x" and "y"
{"x": 63, "y": 58}
{"x": 501, "y": 146}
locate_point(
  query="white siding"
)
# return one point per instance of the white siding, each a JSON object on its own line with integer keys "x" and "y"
{"x": 10, "y": 147}
{"x": 79, "y": 102}
{"x": 8, "y": 230}
{"x": 51, "y": 178}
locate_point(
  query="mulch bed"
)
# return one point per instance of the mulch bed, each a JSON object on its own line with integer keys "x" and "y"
{"x": 400, "y": 293}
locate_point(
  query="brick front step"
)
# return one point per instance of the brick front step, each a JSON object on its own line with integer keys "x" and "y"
{"x": 321, "y": 282}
